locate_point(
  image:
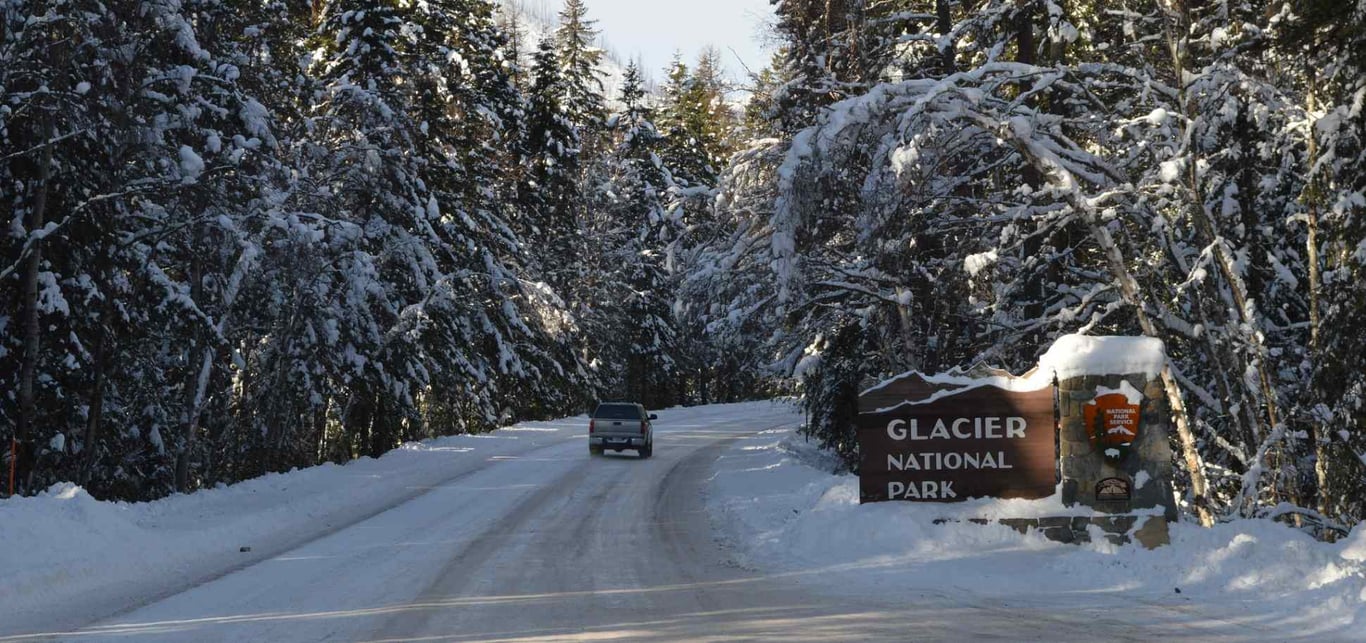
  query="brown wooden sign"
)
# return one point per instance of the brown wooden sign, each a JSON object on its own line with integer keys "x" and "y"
{"x": 908, "y": 387}
{"x": 951, "y": 442}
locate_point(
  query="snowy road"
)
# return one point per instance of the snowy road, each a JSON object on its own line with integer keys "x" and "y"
{"x": 552, "y": 544}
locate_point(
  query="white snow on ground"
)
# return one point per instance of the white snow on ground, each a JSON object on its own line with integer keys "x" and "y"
{"x": 782, "y": 512}
{"x": 68, "y": 558}
{"x": 65, "y": 552}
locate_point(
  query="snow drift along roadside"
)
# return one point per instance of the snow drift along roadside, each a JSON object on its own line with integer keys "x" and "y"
{"x": 67, "y": 558}
{"x": 780, "y": 509}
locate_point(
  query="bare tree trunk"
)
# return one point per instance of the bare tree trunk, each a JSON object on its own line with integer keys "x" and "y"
{"x": 199, "y": 389}
{"x": 357, "y": 421}
{"x": 1024, "y": 32}
{"x": 944, "y": 24}
{"x": 1318, "y": 434}
{"x": 830, "y": 10}
{"x": 28, "y": 368}
{"x": 914, "y": 360}
{"x": 92, "y": 426}
{"x": 320, "y": 429}
{"x": 1025, "y": 47}
{"x": 381, "y": 428}
{"x": 1178, "y": 36}
{"x": 1226, "y": 390}
{"x": 1175, "y": 400}
{"x": 190, "y": 416}
{"x": 200, "y": 385}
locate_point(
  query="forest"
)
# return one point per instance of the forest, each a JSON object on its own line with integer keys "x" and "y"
{"x": 250, "y": 236}
{"x": 246, "y": 236}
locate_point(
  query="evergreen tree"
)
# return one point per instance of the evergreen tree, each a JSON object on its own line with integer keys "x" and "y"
{"x": 834, "y": 49}
{"x": 757, "y": 121}
{"x": 125, "y": 242}
{"x": 699, "y": 125}
{"x": 697, "y": 121}
{"x": 510, "y": 22}
{"x": 551, "y": 192}
{"x": 281, "y": 233}
{"x": 580, "y": 71}
{"x": 629, "y": 321}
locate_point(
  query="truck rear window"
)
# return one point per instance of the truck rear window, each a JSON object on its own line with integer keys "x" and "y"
{"x": 617, "y": 412}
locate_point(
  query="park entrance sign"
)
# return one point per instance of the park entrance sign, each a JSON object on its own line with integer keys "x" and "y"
{"x": 950, "y": 438}
{"x": 1087, "y": 425}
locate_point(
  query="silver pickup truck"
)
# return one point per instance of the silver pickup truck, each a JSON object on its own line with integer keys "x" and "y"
{"x": 619, "y": 426}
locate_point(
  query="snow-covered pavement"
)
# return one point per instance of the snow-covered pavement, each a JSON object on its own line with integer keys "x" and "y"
{"x": 374, "y": 549}
{"x": 732, "y": 531}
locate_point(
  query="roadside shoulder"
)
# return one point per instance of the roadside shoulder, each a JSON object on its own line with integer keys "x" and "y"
{"x": 780, "y": 507}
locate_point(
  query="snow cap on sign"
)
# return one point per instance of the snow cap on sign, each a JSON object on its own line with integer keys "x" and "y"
{"x": 1079, "y": 355}
{"x": 1131, "y": 394}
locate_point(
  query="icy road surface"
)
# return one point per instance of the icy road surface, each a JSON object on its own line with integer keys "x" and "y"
{"x": 550, "y": 543}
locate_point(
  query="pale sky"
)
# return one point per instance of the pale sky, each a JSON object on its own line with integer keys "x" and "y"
{"x": 651, "y": 30}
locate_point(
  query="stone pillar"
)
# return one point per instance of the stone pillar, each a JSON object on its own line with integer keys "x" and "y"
{"x": 1145, "y": 469}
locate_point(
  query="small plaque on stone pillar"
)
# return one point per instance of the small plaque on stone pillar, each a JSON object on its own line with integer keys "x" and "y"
{"x": 1114, "y": 490}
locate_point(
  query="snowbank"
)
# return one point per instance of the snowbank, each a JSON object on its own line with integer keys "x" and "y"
{"x": 783, "y": 513}
{"x": 66, "y": 554}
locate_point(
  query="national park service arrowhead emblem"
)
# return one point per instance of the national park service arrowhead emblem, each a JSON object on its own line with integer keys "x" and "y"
{"x": 1112, "y": 420}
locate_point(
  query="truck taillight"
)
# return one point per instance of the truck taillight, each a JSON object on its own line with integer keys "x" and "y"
{"x": 642, "y": 428}
{"x": 590, "y": 426}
